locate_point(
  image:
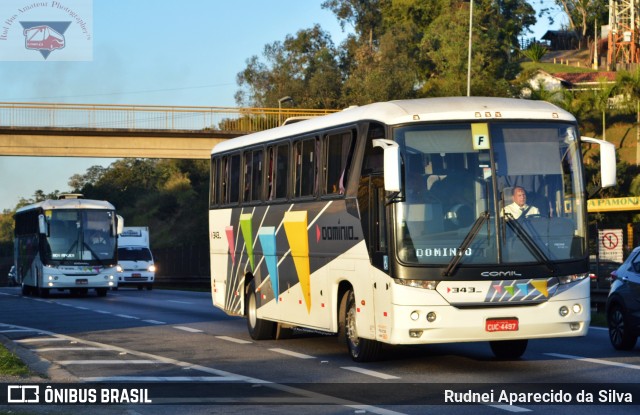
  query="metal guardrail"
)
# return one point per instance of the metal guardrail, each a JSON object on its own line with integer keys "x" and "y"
{"x": 105, "y": 116}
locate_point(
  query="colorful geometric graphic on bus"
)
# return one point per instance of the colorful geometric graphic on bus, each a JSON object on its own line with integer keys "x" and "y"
{"x": 541, "y": 286}
{"x": 247, "y": 234}
{"x": 519, "y": 289}
{"x": 232, "y": 243}
{"x": 295, "y": 226}
{"x": 267, "y": 238}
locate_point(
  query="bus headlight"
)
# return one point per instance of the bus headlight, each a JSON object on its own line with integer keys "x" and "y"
{"x": 568, "y": 279}
{"x": 427, "y": 285}
{"x": 152, "y": 268}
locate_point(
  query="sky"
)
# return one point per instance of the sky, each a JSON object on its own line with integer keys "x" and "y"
{"x": 151, "y": 52}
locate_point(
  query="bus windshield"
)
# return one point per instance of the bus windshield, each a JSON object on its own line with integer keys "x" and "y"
{"x": 80, "y": 235}
{"x": 517, "y": 182}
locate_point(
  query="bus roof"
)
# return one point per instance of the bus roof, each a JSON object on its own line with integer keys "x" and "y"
{"x": 68, "y": 204}
{"x": 407, "y": 111}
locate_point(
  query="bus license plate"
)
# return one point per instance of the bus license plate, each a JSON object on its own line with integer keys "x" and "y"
{"x": 501, "y": 324}
{"x": 82, "y": 281}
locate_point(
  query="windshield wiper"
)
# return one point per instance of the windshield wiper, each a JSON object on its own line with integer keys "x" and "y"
{"x": 473, "y": 232}
{"x": 100, "y": 261}
{"x": 529, "y": 242}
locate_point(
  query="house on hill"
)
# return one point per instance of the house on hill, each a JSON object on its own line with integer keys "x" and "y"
{"x": 561, "y": 39}
{"x": 563, "y": 80}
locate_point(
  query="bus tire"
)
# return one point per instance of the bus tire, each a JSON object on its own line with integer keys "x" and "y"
{"x": 26, "y": 290}
{"x": 259, "y": 329}
{"x": 101, "y": 292}
{"x": 361, "y": 350}
{"x": 43, "y": 292}
{"x": 508, "y": 349}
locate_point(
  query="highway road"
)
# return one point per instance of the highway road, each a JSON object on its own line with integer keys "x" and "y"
{"x": 195, "y": 358}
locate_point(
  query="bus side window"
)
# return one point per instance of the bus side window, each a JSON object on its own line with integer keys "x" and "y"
{"x": 224, "y": 179}
{"x": 248, "y": 171}
{"x": 305, "y": 154}
{"x": 338, "y": 151}
{"x": 277, "y": 171}
{"x": 213, "y": 182}
{"x": 256, "y": 183}
{"x": 234, "y": 178}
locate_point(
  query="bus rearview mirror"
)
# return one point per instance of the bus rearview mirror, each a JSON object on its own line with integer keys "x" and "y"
{"x": 391, "y": 163}
{"x": 607, "y": 161}
{"x": 120, "y": 226}
{"x": 42, "y": 225}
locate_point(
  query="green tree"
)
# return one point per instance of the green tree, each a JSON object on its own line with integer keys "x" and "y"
{"x": 600, "y": 97}
{"x": 303, "y": 67}
{"x": 628, "y": 83}
{"x": 583, "y": 14}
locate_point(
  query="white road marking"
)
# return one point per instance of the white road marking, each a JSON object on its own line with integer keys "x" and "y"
{"x": 368, "y": 372}
{"x": 41, "y": 339}
{"x": 293, "y": 354}
{"x": 510, "y": 408}
{"x": 180, "y": 302}
{"x": 70, "y": 349}
{"x": 15, "y": 331}
{"x": 221, "y": 373}
{"x": 154, "y": 321}
{"x": 81, "y": 308}
{"x": 232, "y": 339}
{"x": 591, "y": 360}
{"x": 127, "y": 316}
{"x": 103, "y": 312}
{"x": 109, "y": 362}
{"x": 189, "y": 329}
{"x": 162, "y": 379}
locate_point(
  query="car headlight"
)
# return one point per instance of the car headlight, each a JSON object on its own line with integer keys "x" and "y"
{"x": 152, "y": 268}
{"x": 119, "y": 268}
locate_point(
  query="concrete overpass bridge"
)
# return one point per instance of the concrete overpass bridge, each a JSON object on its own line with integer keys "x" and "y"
{"x": 116, "y": 131}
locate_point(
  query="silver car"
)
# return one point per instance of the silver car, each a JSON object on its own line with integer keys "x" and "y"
{"x": 623, "y": 303}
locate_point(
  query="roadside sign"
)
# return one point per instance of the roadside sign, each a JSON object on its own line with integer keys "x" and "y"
{"x": 610, "y": 244}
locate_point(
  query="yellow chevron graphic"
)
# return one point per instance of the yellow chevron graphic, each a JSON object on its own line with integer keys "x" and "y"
{"x": 295, "y": 227}
{"x": 541, "y": 286}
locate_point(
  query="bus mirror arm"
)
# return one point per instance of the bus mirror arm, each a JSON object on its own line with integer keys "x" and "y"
{"x": 391, "y": 163}
{"x": 42, "y": 225}
{"x": 607, "y": 161}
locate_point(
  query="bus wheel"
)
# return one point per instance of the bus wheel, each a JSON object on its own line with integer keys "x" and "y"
{"x": 26, "y": 290}
{"x": 102, "y": 292}
{"x": 508, "y": 349}
{"x": 43, "y": 292}
{"x": 259, "y": 329}
{"x": 361, "y": 350}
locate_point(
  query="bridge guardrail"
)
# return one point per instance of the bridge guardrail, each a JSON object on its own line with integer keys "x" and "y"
{"x": 147, "y": 117}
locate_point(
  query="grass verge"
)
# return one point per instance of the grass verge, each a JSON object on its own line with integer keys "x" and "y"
{"x": 11, "y": 365}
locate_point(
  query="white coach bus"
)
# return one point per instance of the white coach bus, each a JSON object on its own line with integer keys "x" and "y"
{"x": 387, "y": 223}
{"x": 66, "y": 244}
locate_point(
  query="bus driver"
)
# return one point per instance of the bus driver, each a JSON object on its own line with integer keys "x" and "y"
{"x": 519, "y": 205}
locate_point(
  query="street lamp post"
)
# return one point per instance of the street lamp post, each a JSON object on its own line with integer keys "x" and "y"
{"x": 280, "y": 101}
{"x": 469, "y": 57}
